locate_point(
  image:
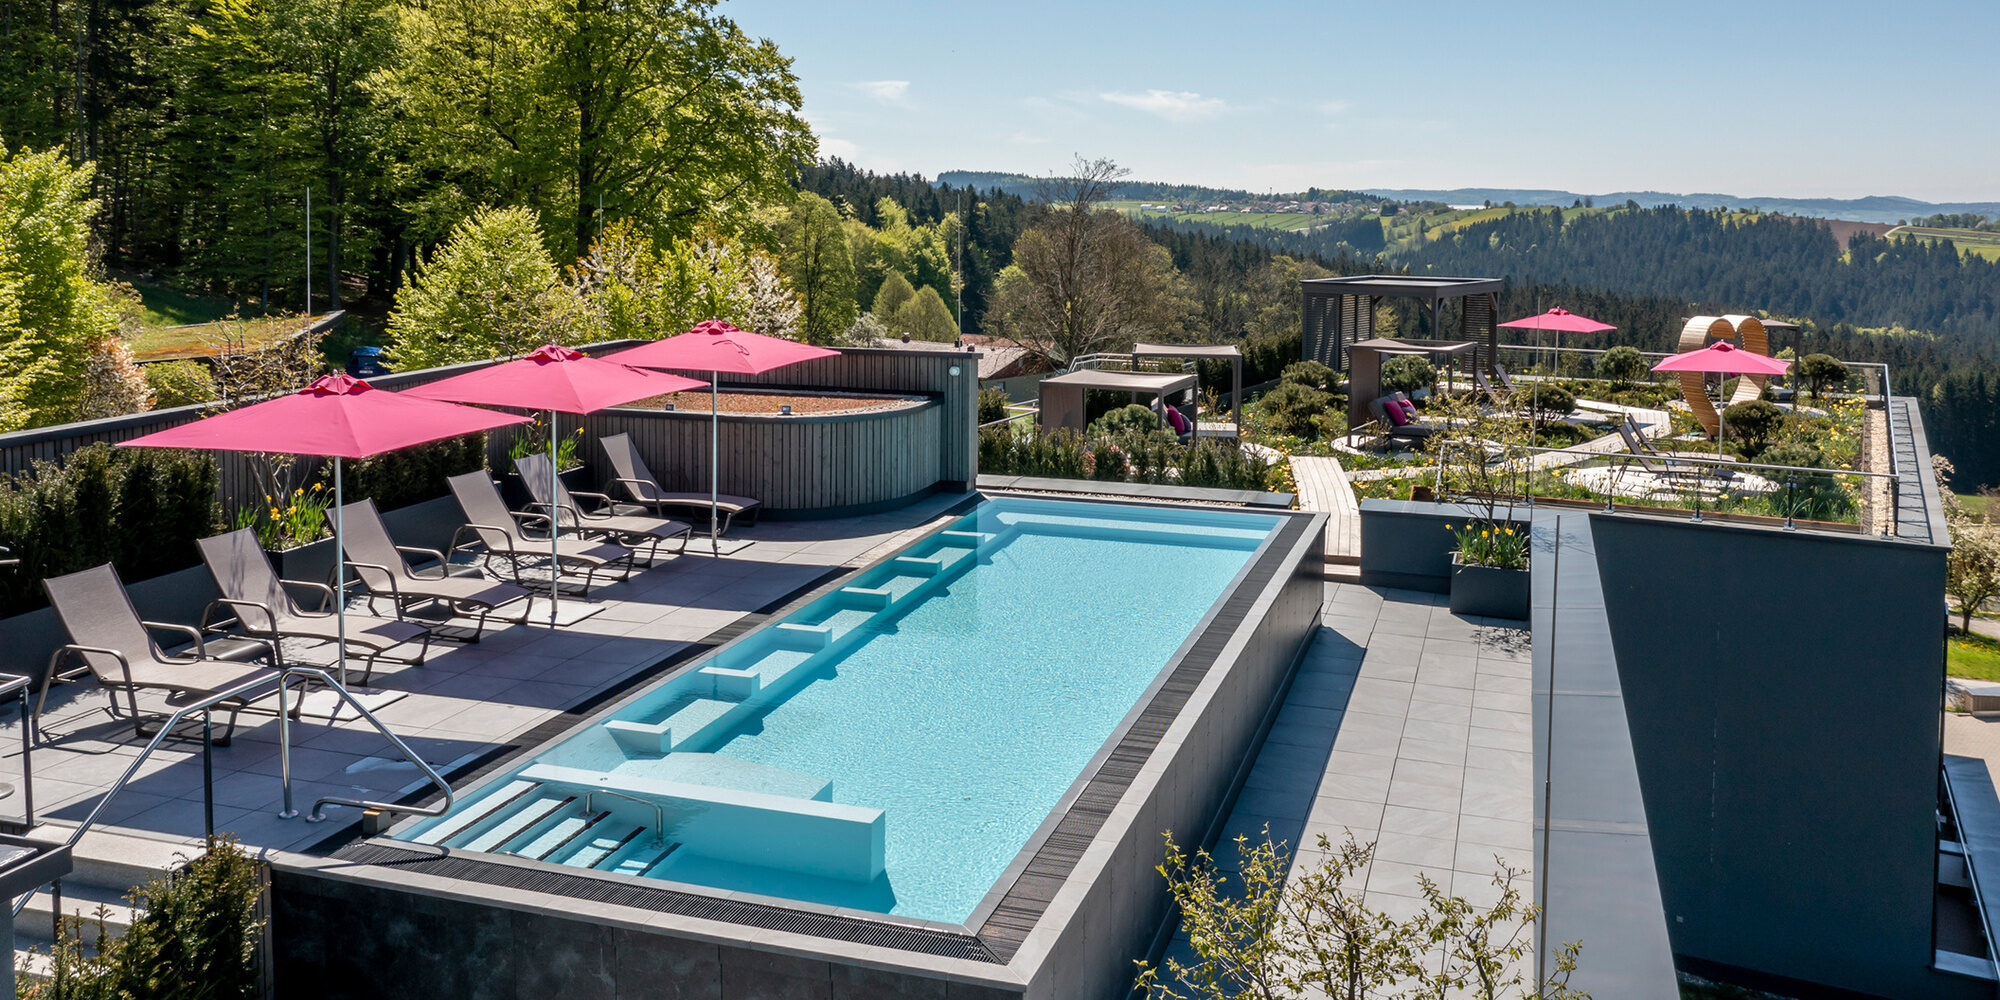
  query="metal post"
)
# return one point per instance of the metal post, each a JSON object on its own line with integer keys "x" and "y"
{"x": 714, "y": 463}
{"x": 1791, "y": 500}
{"x": 285, "y": 747}
{"x": 309, "y": 251}
{"x": 339, "y": 575}
{"x": 207, "y": 775}
{"x": 555, "y": 557}
{"x": 27, "y": 766}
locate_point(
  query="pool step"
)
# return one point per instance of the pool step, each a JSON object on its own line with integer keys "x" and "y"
{"x": 487, "y": 810}
{"x": 605, "y": 841}
{"x": 521, "y": 824}
{"x": 567, "y": 832}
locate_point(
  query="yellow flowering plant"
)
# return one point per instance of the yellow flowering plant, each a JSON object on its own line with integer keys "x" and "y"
{"x": 287, "y": 521}
{"x": 1485, "y": 543}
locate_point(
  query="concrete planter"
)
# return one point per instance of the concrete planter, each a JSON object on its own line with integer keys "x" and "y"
{"x": 311, "y": 562}
{"x": 1489, "y": 592}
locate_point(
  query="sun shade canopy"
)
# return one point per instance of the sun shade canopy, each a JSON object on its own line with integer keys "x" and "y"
{"x": 555, "y": 378}
{"x": 1559, "y": 320}
{"x": 715, "y": 346}
{"x": 1724, "y": 358}
{"x": 338, "y": 416}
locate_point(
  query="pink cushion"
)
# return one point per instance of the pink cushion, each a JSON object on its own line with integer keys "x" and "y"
{"x": 1179, "y": 422}
{"x": 1394, "y": 411}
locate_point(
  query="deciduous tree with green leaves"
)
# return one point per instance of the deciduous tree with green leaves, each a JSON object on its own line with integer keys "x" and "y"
{"x": 662, "y": 112}
{"x": 52, "y": 313}
{"x": 816, "y": 261}
{"x": 490, "y": 291}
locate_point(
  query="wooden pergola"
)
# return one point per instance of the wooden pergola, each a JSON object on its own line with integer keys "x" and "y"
{"x": 1340, "y": 312}
{"x": 1064, "y": 400}
{"x": 1364, "y": 378}
{"x": 1213, "y": 352}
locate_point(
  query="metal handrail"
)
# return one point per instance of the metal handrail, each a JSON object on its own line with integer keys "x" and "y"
{"x": 166, "y": 729}
{"x": 659, "y": 814}
{"x": 318, "y": 813}
{"x": 1697, "y": 460}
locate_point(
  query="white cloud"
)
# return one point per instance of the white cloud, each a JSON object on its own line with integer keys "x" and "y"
{"x": 1334, "y": 107}
{"x": 1173, "y": 105}
{"x": 835, "y": 146}
{"x": 896, "y": 92}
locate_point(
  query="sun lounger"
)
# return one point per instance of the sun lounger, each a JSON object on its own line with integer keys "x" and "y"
{"x": 601, "y": 519}
{"x": 380, "y": 565}
{"x": 114, "y": 646}
{"x": 494, "y": 532}
{"x": 255, "y": 602}
{"x": 638, "y": 483}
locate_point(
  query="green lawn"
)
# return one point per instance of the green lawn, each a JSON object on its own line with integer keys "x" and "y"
{"x": 1972, "y": 656}
{"x": 162, "y": 343}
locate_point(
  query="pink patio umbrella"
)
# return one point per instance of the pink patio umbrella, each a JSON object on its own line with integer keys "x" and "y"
{"x": 1723, "y": 358}
{"x": 336, "y": 417}
{"x": 716, "y": 347}
{"x": 559, "y": 380}
{"x": 1560, "y": 321}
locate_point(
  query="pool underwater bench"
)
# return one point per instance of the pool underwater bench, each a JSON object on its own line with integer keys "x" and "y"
{"x": 753, "y": 828}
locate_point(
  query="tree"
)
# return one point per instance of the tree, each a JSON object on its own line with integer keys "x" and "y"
{"x": 1544, "y": 402}
{"x": 490, "y": 291}
{"x": 1821, "y": 372}
{"x": 1972, "y": 568}
{"x": 1408, "y": 373}
{"x": 1276, "y": 936}
{"x": 1753, "y": 421}
{"x": 52, "y": 314}
{"x": 895, "y": 291}
{"x": 1295, "y": 408}
{"x": 1622, "y": 365}
{"x": 817, "y": 263}
{"x": 664, "y": 113}
{"x": 1086, "y": 279}
{"x": 925, "y": 317}
{"x": 113, "y": 385}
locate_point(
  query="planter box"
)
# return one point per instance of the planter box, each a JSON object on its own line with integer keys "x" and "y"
{"x": 312, "y": 561}
{"x": 1489, "y": 592}
{"x": 516, "y": 492}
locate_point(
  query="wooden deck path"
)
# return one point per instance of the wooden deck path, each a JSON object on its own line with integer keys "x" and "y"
{"x": 1323, "y": 487}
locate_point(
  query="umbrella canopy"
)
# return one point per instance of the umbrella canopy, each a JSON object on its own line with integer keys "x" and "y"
{"x": 337, "y": 416}
{"x": 715, "y": 346}
{"x": 555, "y": 378}
{"x": 1559, "y": 320}
{"x": 559, "y": 380}
{"x": 1724, "y": 358}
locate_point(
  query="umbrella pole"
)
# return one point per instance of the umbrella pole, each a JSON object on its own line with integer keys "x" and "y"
{"x": 714, "y": 463}
{"x": 555, "y": 560}
{"x": 339, "y": 573}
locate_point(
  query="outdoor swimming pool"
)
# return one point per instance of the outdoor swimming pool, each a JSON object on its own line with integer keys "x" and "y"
{"x": 895, "y": 744}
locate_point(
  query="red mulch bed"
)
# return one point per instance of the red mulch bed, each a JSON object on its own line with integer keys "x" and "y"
{"x": 769, "y": 402}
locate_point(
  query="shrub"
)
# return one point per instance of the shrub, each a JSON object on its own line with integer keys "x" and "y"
{"x": 1752, "y": 421}
{"x": 1129, "y": 419}
{"x": 1152, "y": 458}
{"x": 195, "y": 936}
{"x": 1407, "y": 373}
{"x": 1107, "y": 461}
{"x": 1545, "y": 402}
{"x": 992, "y": 404}
{"x": 1295, "y": 409}
{"x": 180, "y": 383}
{"x": 1311, "y": 374}
{"x": 1821, "y": 372}
{"x": 139, "y": 508}
{"x": 1623, "y": 365}
{"x": 996, "y": 450}
{"x": 413, "y": 475}
{"x": 1211, "y": 463}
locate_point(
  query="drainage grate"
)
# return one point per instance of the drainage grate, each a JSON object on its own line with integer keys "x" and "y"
{"x": 664, "y": 900}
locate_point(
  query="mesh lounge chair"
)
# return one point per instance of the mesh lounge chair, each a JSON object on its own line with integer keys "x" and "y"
{"x": 261, "y": 607}
{"x": 1503, "y": 380}
{"x": 637, "y": 482}
{"x": 378, "y": 564}
{"x": 1668, "y": 476}
{"x": 1412, "y": 431}
{"x": 603, "y": 519}
{"x": 494, "y": 532}
{"x": 115, "y": 646}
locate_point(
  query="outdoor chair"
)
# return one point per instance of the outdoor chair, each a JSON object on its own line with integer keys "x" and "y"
{"x": 113, "y": 645}
{"x": 1503, "y": 380}
{"x": 638, "y": 483}
{"x": 1668, "y": 476}
{"x": 602, "y": 519}
{"x": 377, "y": 563}
{"x": 1411, "y": 431}
{"x": 493, "y": 532}
{"x": 255, "y": 602}
{"x": 1636, "y": 442}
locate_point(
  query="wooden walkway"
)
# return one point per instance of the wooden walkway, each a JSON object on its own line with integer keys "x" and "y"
{"x": 1323, "y": 487}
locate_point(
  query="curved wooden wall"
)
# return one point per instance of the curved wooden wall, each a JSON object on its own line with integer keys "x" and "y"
{"x": 1747, "y": 333}
{"x": 797, "y": 463}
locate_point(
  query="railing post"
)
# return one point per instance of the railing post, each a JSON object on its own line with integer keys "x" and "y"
{"x": 208, "y": 775}
{"x": 285, "y": 744}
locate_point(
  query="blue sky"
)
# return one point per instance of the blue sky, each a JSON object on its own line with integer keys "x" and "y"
{"x": 1830, "y": 99}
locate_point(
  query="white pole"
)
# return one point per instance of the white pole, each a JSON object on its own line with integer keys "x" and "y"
{"x": 309, "y": 260}
{"x": 339, "y": 572}
{"x": 555, "y": 562}
{"x": 714, "y": 463}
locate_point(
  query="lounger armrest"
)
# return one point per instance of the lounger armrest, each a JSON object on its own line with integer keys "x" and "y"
{"x": 469, "y": 535}
{"x": 124, "y": 664}
{"x": 326, "y": 595}
{"x": 642, "y": 490}
{"x": 368, "y": 573}
{"x": 444, "y": 565}
{"x": 190, "y": 630}
{"x": 538, "y": 513}
{"x": 270, "y": 621}
{"x": 603, "y": 501}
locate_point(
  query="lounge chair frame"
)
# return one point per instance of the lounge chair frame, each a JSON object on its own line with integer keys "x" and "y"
{"x": 392, "y": 577}
{"x": 646, "y": 494}
{"x": 505, "y": 538}
{"x": 604, "y": 520}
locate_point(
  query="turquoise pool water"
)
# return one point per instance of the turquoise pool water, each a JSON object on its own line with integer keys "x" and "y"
{"x": 892, "y": 746}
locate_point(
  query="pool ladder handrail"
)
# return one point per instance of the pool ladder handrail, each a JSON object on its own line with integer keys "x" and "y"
{"x": 318, "y": 814}
{"x": 659, "y": 814}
